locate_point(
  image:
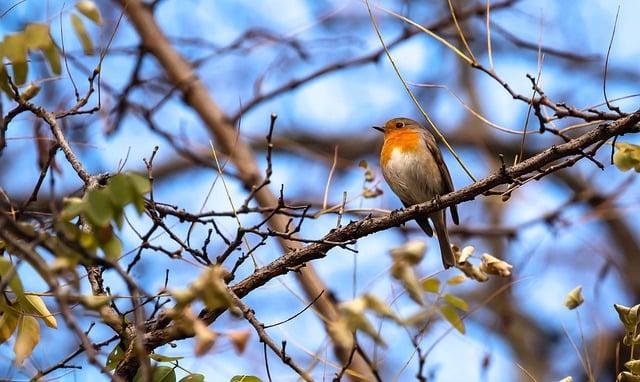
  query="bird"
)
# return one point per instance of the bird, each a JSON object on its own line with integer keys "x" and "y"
{"x": 413, "y": 167}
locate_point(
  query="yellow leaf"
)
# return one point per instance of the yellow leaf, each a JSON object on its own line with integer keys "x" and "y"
{"x": 37, "y": 36}
{"x": 455, "y": 280}
{"x": 450, "y": 314}
{"x": 83, "y": 35}
{"x": 8, "y": 324}
{"x": 89, "y": 9}
{"x": 27, "y": 338}
{"x": 431, "y": 285}
{"x": 456, "y": 301}
{"x": 34, "y": 305}
{"x": 574, "y": 298}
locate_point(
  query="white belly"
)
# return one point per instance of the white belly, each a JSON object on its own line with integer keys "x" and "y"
{"x": 414, "y": 178}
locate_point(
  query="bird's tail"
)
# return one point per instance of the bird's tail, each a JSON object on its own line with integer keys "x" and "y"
{"x": 440, "y": 225}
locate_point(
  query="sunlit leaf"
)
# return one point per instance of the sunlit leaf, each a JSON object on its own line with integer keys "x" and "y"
{"x": 72, "y": 208}
{"x": 8, "y": 324}
{"x": 163, "y": 358}
{"x": 90, "y": 10}
{"x": 456, "y": 301}
{"x": 627, "y": 156}
{"x": 83, "y": 35}
{"x": 431, "y": 285}
{"x": 205, "y": 338}
{"x": 245, "y": 378}
{"x": 402, "y": 272}
{"x": 457, "y": 279}
{"x": 31, "y": 91}
{"x": 37, "y": 36}
{"x": 193, "y": 378}
{"x": 633, "y": 366}
{"x": 574, "y": 298}
{"x": 412, "y": 252}
{"x": 27, "y": 338}
{"x": 379, "y": 306}
{"x": 14, "y": 283}
{"x": 14, "y": 47}
{"x": 52, "y": 55}
{"x": 34, "y": 305}
{"x": 450, "y": 314}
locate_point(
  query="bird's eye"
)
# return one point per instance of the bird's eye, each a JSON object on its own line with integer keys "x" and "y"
{"x": 399, "y": 125}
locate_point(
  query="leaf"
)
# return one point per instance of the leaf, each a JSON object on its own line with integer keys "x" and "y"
{"x": 456, "y": 301}
{"x": 34, "y": 305}
{"x": 574, "y": 298}
{"x": 112, "y": 248}
{"x": 193, "y": 378}
{"x": 245, "y": 378}
{"x": 455, "y": 280}
{"x": 121, "y": 190}
{"x": 114, "y": 358}
{"x": 89, "y": 10}
{"x": 83, "y": 35}
{"x": 163, "y": 358}
{"x": 99, "y": 209}
{"x": 14, "y": 283}
{"x": 412, "y": 252}
{"x": 27, "y": 338}
{"x": 72, "y": 208}
{"x": 239, "y": 339}
{"x": 431, "y": 285}
{"x": 31, "y": 91}
{"x": 8, "y": 324}
{"x": 205, "y": 338}
{"x": 164, "y": 374}
{"x": 627, "y": 156}
{"x": 450, "y": 314}
{"x": 53, "y": 57}
{"x": 37, "y": 36}
{"x": 633, "y": 366}
{"x": 139, "y": 183}
{"x": 379, "y": 306}
{"x": 14, "y": 47}
{"x": 402, "y": 272}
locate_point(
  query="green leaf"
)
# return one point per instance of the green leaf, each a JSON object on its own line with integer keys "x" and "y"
{"x": 163, "y": 358}
{"x": 72, "y": 208}
{"x": 8, "y": 324}
{"x": 456, "y": 301}
{"x": 164, "y": 374}
{"x": 99, "y": 209}
{"x": 114, "y": 358}
{"x": 140, "y": 183}
{"x": 431, "y": 285}
{"x": 34, "y": 305}
{"x": 245, "y": 378}
{"x": 89, "y": 10}
{"x": 83, "y": 35}
{"x": 37, "y": 36}
{"x": 193, "y": 378}
{"x": 121, "y": 190}
{"x": 450, "y": 314}
{"x": 14, "y": 283}
{"x": 27, "y": 338}
{"x": 112, "y": 248}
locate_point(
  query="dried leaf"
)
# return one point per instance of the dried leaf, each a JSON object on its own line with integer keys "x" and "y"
{"x": 402, "y": 272}
{"x": 495, "y": 266}
{"x": 239, "y": 339}
{"x": 457, "y": 279}
{"x": 412, "y": 252}
{"x": 27, "y": 338}
{"x": 205, "y": 337}
{"x": 574, "y": 298}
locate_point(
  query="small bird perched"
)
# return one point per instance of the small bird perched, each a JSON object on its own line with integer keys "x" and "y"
{"x": 413, "y": 167}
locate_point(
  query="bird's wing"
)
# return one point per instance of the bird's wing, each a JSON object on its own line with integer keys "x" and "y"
{"x": 444, "y": 172}
{"x": 423, "y": 222}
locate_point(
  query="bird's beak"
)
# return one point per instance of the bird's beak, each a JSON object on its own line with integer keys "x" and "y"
{"x": 380, "y": 129}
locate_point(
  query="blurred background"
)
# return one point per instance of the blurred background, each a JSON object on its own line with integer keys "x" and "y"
{"x": 319, "y": 66}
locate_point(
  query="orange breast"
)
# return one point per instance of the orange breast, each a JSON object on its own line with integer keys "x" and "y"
{"x": 404, "y": 140}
